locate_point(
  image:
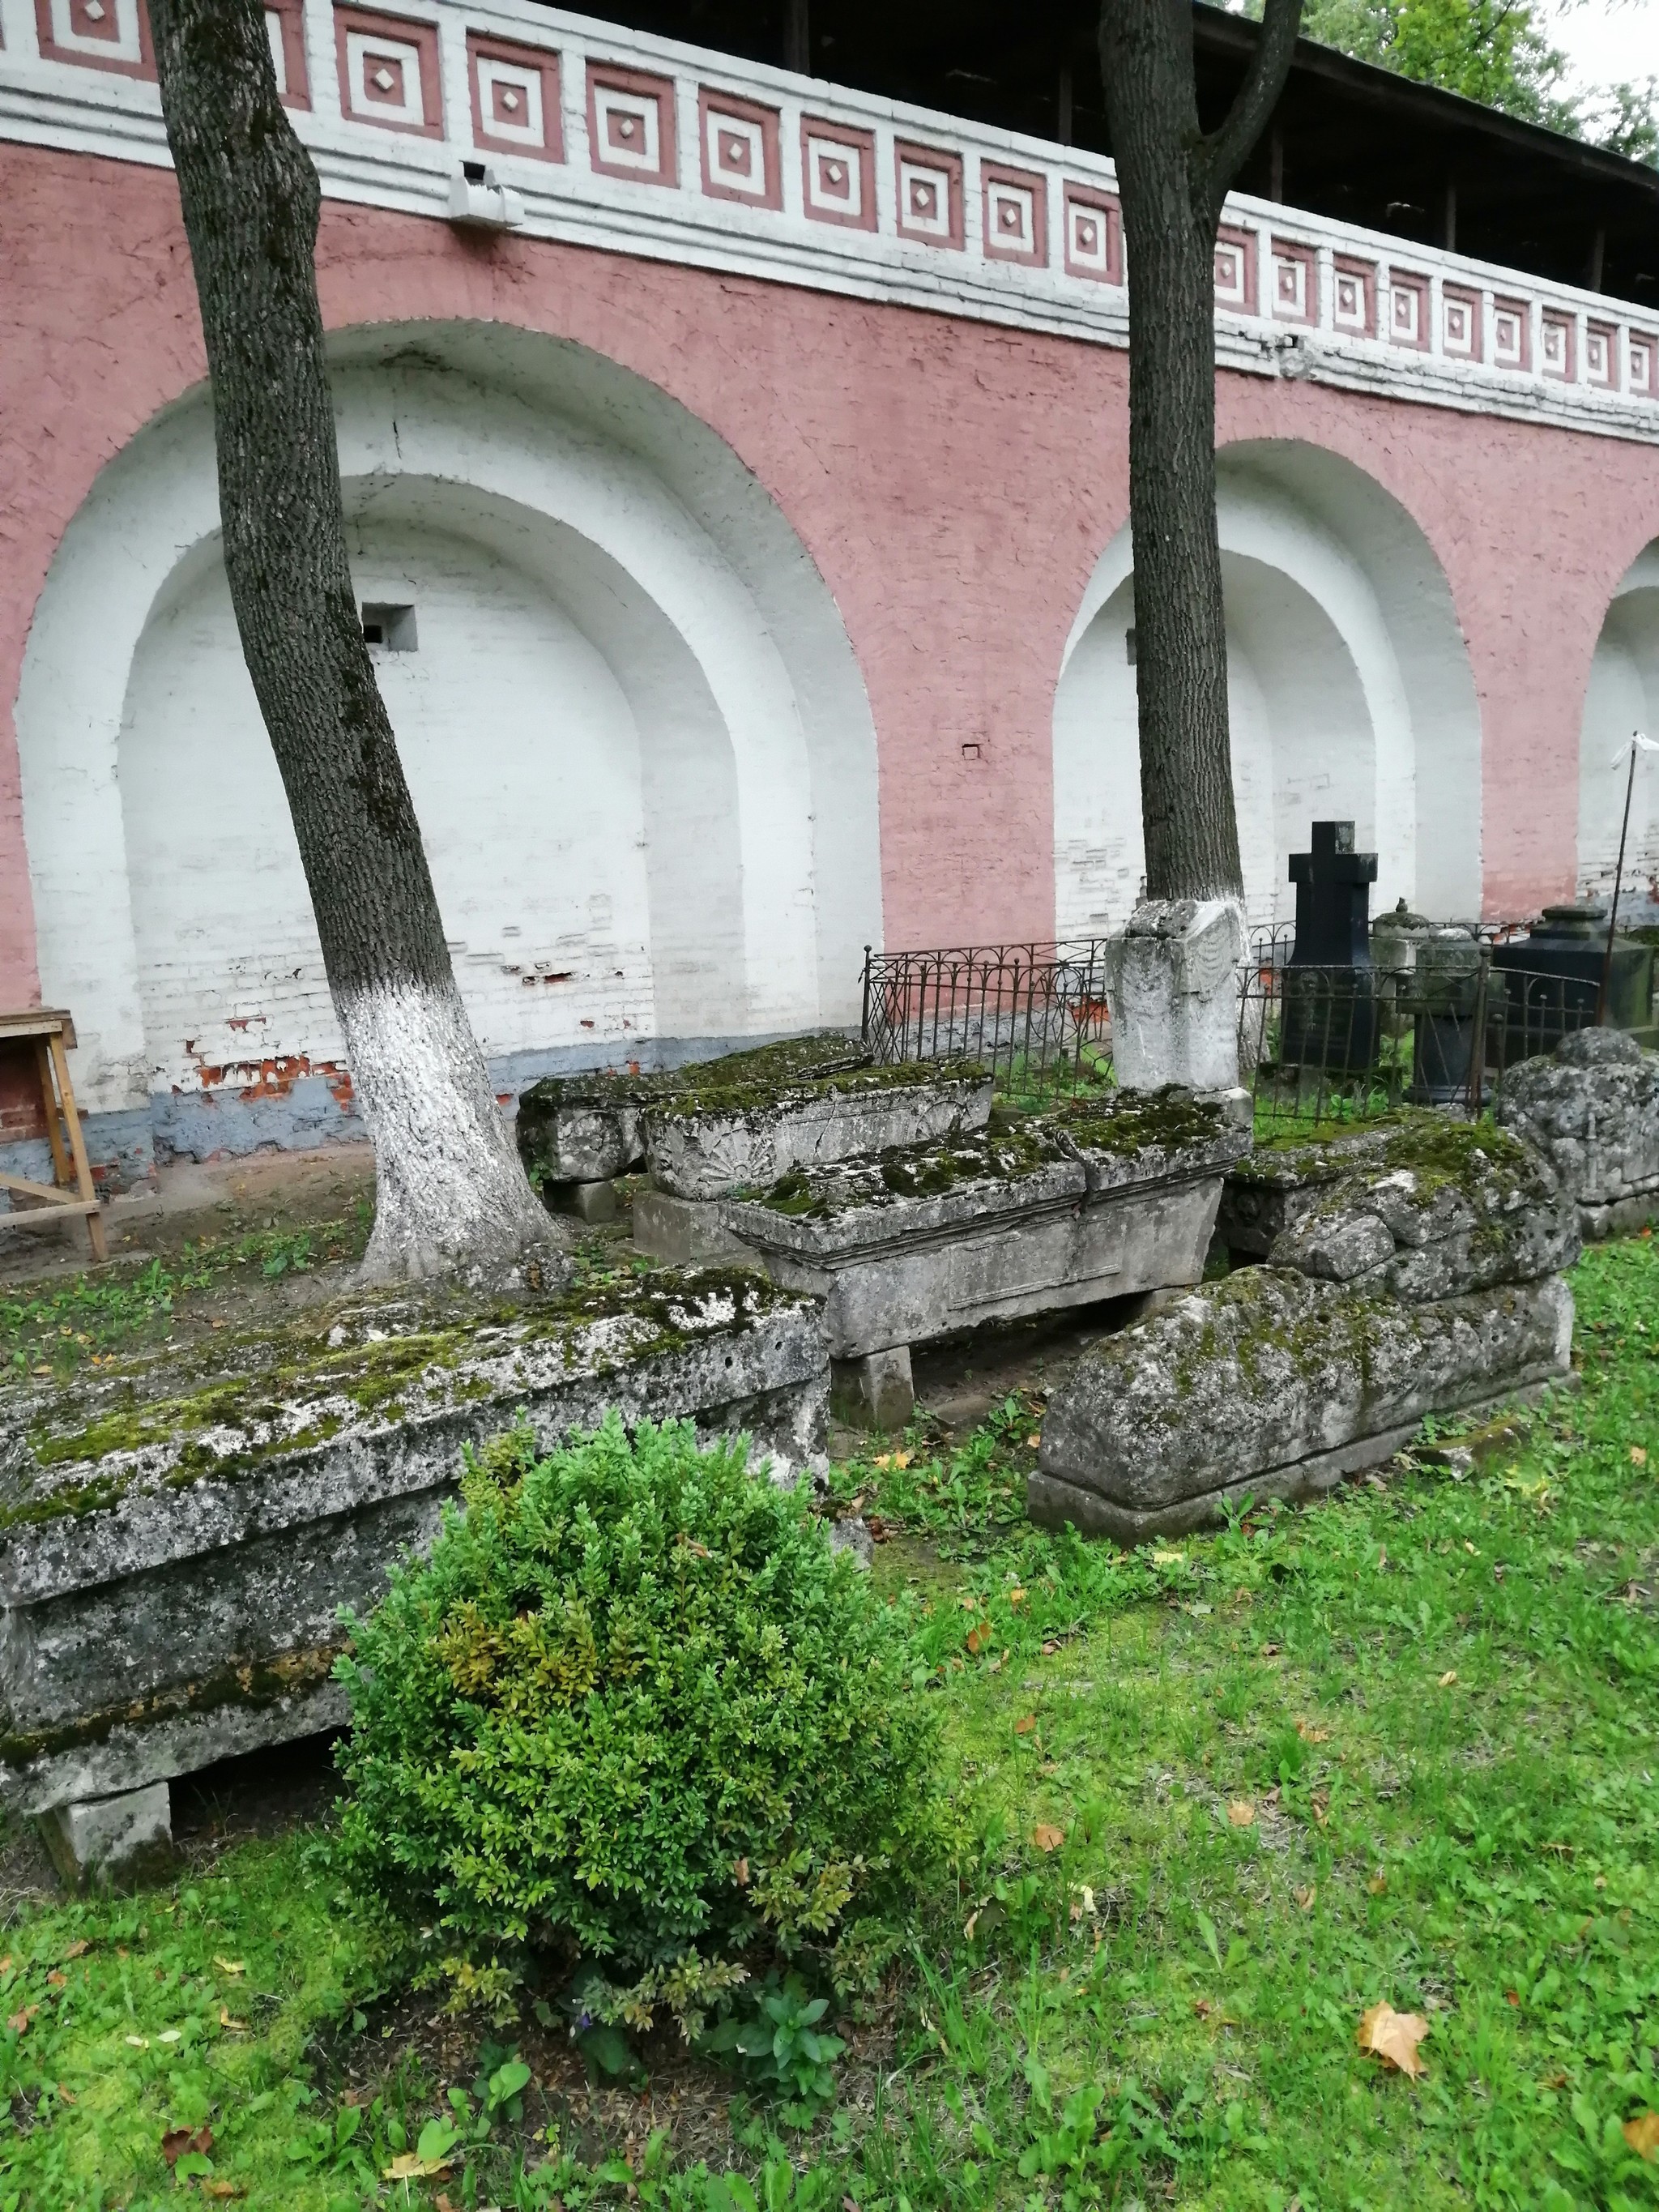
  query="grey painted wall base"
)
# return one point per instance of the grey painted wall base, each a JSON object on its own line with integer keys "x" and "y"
{"x": 111, "y": 1842}
{"x": 126, "y": 1146}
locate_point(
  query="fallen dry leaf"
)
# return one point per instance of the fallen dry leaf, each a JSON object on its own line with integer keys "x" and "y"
{"x": 177, "y": 2141}
{"x": 1167, "y": 1558}
{"x": 406, "y": 2166}
{"x": 238, "y": 2026}
{"x": 1378, "y": 1884}
{"x": 1024, "y": 1727}
{"x": 56, "y": 1981}
{"x": 1558, "y": 2081}
{"x": 1032, "y": 1442}
{"x": 75, "y": 1950}
{"x": 1638, "y": 1458}
{"x": 1642, "y": 2134}
{"x": 1048, "y": 1838}
{"x": 1393, "y": 2037}
{"x": 18, "y": 2021}
{"x": 1310, "y": 1734}
{"x": 979, "y": 1636}
{"x": 138, "y": 2042}
{"x": 1270, "y": 1651}
{"x": 1448, "y": 1678}
{"x": 1016, "y": 1597}
{"x": 66, "y": 2096}
{"x": 1322, "y": 1806}
{"x": 1242, "y": 1813}
{"x": 740, "y": 1873}
{"x": 970, "y": 1923}
{"x": 217, "y": 2188}
{"x": 1304, "y": 1897}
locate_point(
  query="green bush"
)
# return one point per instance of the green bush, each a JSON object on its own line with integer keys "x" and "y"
{"x": 634, "y": 1726}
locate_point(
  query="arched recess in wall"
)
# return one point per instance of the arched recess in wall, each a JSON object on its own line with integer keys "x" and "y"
{"x": 1623, "y": 695}
{"x": 636, "y": 736}
{"x": 1349, "y": 688}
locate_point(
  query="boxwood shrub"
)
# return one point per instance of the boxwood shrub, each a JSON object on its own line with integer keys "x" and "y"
{"x": 632, "y": 1724}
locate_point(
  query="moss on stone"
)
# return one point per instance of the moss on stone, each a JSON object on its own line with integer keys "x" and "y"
{"x": 286, "y": 1371}
{"x": 789, "y": 1060}
{"x": 1127, "y": 1122}
{"x": 713, "y": 1094}
{"x": 254, "y": 1683}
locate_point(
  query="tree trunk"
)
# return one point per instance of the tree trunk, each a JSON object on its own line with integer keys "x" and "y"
{"x": 452, "y": 1195}
{"x": 1172, "y": 180}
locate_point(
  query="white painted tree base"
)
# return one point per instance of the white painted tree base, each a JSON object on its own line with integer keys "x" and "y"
{"x": 452, "y": 1198}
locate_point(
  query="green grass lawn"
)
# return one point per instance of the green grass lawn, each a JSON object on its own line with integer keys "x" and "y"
{"x": 1215, "y": 1799}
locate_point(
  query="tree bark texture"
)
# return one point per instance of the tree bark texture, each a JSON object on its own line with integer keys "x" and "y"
{"x": 1172, "y": 180}
{"x": 452, "y": 1195}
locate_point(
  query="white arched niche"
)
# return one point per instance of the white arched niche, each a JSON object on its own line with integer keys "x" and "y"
{"x": 1350, "y": 697}
{"x": 637, "y": 740}
{"x": 1623, "y": 696}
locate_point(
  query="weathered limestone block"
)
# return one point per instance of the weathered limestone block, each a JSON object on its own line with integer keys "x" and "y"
{"x": 175, "y": 1543}
{"x": 1421, "y": 1204}
{"x": 1172, "y": 980}
{"x": 686, "y": 1232}
{"x": 1440, "y": 1208}
{"x": 1271, "y": 1384}
{"x": 1028, "y": 1216}
{"x": 111, "y": 1842}
{"x": 702, "y": 1144}
{"x": 1591, "y": 1108}
{"x": 591, "y": 1128}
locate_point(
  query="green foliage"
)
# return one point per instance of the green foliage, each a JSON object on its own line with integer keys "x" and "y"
{"x": 1440, "y": 1696}
{"x": 781, "y": 2045}
{"x": 56, "y": 1330}
{"x": 1496, "y": 52}
{"x": 634, "y": 1722}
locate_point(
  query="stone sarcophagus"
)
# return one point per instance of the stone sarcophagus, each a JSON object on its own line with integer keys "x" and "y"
{"x": 177, "y": 1540}
{"x": 591, "y": 1128}
{"x": 1030, "y": 1215}
{"x": 1414, "y": 1269}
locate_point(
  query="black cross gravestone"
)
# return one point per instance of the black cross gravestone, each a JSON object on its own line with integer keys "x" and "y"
{"x": 1331, "y": 1014}
{"x": 1333, "y": 900}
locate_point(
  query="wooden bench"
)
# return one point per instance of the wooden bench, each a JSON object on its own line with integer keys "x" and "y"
{"x": 51, "y": 1031}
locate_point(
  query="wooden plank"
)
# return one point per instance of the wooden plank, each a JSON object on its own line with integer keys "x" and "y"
{"x": 63, "y": 1201}
{"x": 78, "y": 1148}
{"x": 39, "y": 1021}
{"x": 60, "y": 1159}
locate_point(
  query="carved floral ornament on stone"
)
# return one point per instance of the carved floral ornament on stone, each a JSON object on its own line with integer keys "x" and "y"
{"x": 806, "y": 182}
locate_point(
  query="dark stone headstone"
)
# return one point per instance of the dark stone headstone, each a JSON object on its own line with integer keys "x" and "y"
{"x": 1333, "y": 900}
{"x": 1331, "y": 1018}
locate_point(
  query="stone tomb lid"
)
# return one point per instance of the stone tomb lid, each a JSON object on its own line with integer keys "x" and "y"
{"x": 1012, "y": 1164}
{"x": 789, "y": 1060}
{"x": 118, "y": 1472}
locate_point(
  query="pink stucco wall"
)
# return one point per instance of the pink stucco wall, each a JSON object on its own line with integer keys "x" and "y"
{"x": 954, "y": 483}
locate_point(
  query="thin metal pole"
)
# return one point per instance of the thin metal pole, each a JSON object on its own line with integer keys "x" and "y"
{"x": 1618, "y": 884}
{"x": 864, "y": 1024}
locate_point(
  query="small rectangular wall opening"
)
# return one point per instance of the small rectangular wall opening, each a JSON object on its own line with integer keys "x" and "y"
{"x": 391, "y": 627}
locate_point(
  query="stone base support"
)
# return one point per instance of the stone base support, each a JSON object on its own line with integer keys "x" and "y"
{"x": 875, "y": 1392}
{"x": 111, "y": 1842}
{"x": 686, "y": 1232}
{"x": 592, "y": 1202}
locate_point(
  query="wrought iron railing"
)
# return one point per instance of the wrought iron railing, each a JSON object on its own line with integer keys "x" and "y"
{"x": 1319, "y": 1044}
{"x": 1034, "y": 1014}
{"x": 1316, "y": 1044}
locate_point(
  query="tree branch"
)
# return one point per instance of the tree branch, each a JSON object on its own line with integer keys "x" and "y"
{"x": 1218, "y": 158}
